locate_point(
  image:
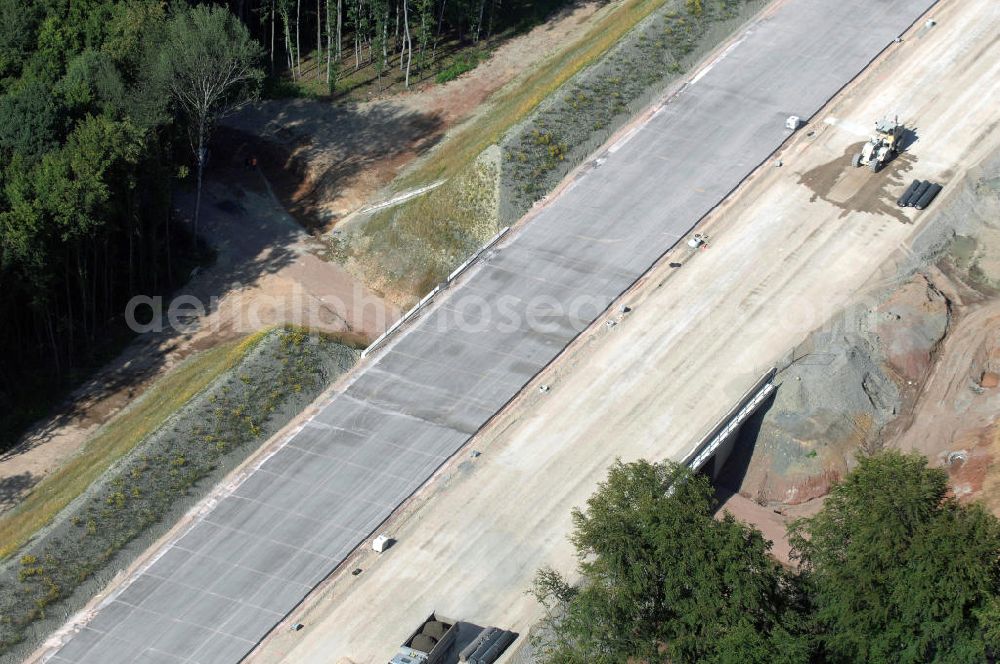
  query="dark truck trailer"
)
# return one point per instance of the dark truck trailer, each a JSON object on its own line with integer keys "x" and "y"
{"x": 928, "y": 196}
{"x": 428, "y": 643}
{"x": 904, "y": 200}
{"x": 918, "y": 192}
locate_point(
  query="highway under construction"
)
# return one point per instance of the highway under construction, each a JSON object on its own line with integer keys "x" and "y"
{"x": 266, "y": 541}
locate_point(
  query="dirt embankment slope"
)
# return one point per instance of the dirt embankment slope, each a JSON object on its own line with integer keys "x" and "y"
{"x": 913, "y": 364}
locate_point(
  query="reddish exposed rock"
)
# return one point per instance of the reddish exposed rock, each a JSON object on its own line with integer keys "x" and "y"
{"x": 911, "y": 323}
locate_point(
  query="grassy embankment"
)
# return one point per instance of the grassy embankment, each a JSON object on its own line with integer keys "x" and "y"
{"x": 407, "y": 229}
{"x": 116, "y": 439}
{"x": 169, "y": 452}
{"x": 516, "y": 101}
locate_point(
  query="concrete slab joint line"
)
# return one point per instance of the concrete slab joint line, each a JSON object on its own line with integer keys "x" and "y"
{"x": 489, "y": 244}
{"x": 461, "y": 268}
{"x": 257, "y": 554}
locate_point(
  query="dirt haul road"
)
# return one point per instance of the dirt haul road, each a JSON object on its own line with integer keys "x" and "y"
{"x": 788, "y": 251}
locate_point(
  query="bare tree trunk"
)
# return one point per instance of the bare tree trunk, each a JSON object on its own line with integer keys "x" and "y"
{"x": 329, "y": 50}
{"x": 494, "y": 4}
{"x": 357, "y": 42}
{"x": 298, "y": 49}
{"x": 167, "y": 243}
{"x": 52, "y": 339}
{"x": 402, "y": 46}
{"x": 479, "y": 21}
{"x": 289, "y": 56}
{"x": 319, "y": 35}
{"x": 409, "y": 43}
{"x": 438, "y": 35}
{"x": 272, "y": 37}
{"x": 201, "y": 169}
{"x": 340, "y": 27}
{"x": 385, "y": 38}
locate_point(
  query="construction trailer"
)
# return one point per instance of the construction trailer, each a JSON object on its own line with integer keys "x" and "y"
{"x": 428, "y": 643}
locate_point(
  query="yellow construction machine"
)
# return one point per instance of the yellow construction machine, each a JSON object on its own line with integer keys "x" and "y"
{"x": 882, "y": 147}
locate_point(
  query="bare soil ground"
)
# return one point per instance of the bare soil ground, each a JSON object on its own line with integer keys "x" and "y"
{"x": 955, "y": 415}
{"x": 342, "y": 155}
{"x": 316, "y": 161}
{"x": 787, "y": 252}
{"x": 266, "y": 273}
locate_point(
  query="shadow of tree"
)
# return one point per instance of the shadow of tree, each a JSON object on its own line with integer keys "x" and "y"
{"x": 247, "y": 222}
{"x": 13, "y": 487}
{"x": 311, "y": 149}
{"x": 250, "y": 241}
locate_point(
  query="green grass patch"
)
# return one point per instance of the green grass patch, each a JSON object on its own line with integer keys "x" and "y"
{"x": 117, "y": 438}
{"x": 284, "y": 87}
{"x": 245, "y": 393}
{"x": 406, "y": 250}
{"x": 463, "y": 63}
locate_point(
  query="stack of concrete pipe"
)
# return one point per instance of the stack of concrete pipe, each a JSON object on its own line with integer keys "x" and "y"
{"x": 487, "y": 647}
{"x": 919, "y": 194}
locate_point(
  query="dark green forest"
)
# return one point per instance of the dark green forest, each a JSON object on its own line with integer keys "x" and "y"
{"x": 97, "y": 133}
{"x": 892, "y": 569}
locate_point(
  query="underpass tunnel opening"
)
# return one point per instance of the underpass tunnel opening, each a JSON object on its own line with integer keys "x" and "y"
{"x": 728, "y": 467}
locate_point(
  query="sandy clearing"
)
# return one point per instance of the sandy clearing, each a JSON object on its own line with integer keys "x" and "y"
{"x": 783, "y": 259}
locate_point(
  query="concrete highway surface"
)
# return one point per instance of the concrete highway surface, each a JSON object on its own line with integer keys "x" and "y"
{"x": 795, "y": 249}
{"x": 213, "y": 593}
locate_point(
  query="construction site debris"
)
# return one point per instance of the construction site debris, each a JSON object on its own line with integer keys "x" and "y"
{"x": 487, "y": 647}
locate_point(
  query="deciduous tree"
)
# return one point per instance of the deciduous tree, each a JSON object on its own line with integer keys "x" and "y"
{"x": 899, "y": 570}
{"x": 209, "y": 64}
{"x": 665, "y": 581}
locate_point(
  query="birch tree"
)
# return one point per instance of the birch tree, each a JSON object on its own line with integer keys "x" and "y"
{"x": 319, "y": 34}
{"x": 284, "y": 10}
{"x": 209, "y": 66}
{"x": 408, "y": 43}
{"x": 298, "y": 44}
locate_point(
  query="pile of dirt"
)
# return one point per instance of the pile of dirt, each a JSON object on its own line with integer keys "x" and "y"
{"x": 913, "y": 364}
{"x": 843, "y": 386}
{"x": 832, "y": 399}
{"x": 910, "y": 323}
